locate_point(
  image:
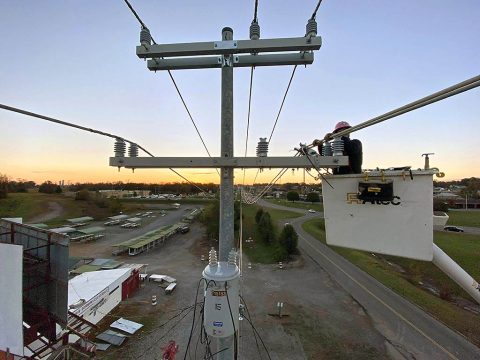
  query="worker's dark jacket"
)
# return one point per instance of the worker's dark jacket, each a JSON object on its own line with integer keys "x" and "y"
{"x": 352, "y": 149}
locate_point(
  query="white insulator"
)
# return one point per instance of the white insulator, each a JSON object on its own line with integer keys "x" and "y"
{"x": 119, "y": 148}
{"x": 232, "y": 258}
{"x": 311, "y": 28}
{"x": 326, "y": 149}
{"x": 262, "y": 147}
{"x": 133, "y": 150}
{"x": 145, "y": 37}
{"x": 254, "y": 31}
{"x": 212, "y": 257}
{"x": 337, "y": 147}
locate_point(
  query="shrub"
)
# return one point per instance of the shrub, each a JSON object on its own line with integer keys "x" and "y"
{"x": 293, "y": 196}
{"x": 289, "y": 239}
{"x": 265, "y": 228}
{"x": 313, "y": 197}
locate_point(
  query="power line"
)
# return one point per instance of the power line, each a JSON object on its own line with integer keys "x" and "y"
{"x": 173, "y": 81}
{"x": 314, "y": 15}
{"x": 283, "y": 101}
{"x": 440, "y": 95}
{"x": 254, "y": 329}
{"x": 188, "y": 112}
{"x": 255, "y": 19}
{"x": 249, "y": 110}
{"x": 137, "y": 16}
{"x": 48, "y": 118}
{"x": 103, "y": 133}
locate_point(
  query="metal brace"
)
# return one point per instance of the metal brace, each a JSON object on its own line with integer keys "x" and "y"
{"x": 226, "y": 60}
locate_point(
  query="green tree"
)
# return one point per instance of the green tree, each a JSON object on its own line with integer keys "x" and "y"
{"x": 439, "y": 205}
{"x": 289, "y": 239}
{"x": 3, "y": 186}
{"x": 47, "y": 187}
{"x": 265, "y": 228}
{"x": 210, "y": 218}
{"x": 293, "y": 196}
{"x": 258, "y": 215}
{"x": 313, "y": 197}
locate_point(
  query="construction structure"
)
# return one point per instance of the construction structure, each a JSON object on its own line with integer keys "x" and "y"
{"x": 40, "y": 274}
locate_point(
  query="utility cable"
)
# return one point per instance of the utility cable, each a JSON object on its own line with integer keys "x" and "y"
{"x": 48, "y": 118}
{"x": 440, "y": 95}
{"x": 253, "y": 327}
{"x": 103, "y": 133}
{"x": 254, "y": 333}
{"x": 249, "y": 110}
{"x": 188, "y": 112}
{"x": 255, "y": 19}
{"x": 283, "y": 101}
{"x": 314, "y": 15}
{"x": 173, "y": 81}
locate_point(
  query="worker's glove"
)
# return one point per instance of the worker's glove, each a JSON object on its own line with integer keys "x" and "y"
{"x": 328, "y": 137}
{"x": 317, "y": 142}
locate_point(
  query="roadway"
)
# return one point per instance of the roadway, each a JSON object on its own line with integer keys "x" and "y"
{"x": 410, "y": 330}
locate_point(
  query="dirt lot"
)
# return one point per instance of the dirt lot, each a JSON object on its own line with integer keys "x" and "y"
{"x": 321, "y": 320}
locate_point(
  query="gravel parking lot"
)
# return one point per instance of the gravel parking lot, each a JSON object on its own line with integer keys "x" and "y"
{"x": 321, "y": 320}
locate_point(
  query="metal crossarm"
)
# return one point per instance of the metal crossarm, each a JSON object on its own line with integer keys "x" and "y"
{"x": 229, "y": 47}
{"x": 237, "y": 162}
{"x": 206, "y": 62}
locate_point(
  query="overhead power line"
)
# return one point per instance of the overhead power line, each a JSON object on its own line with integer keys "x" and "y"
{"x": 283, "y": 102}
{"x": 249, "y": 108}
{"x": 314, "y": 15}
{"x": 173, "y": 81}
{"x": 440, "y": 95}
{"x": 103, "y": 133}
{"x": 255, "y": 19}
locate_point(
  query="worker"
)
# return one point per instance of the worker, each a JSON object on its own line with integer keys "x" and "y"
{"x": 352, "y": 149}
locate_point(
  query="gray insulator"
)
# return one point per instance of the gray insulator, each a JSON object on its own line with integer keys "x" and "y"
{"x": 262, "y": 147}
{"x": 133, "y": 150}
{"x": 145, "y": 37}
{"x": 337, "y": 147}
{"x": 254, "y": 31}
{"x": 119, "y": 148}
{"x": 326, "y": 149}
{"x": 311, "y": 28}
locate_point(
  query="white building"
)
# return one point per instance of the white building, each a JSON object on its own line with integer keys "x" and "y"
{"x": 92, "y": 295}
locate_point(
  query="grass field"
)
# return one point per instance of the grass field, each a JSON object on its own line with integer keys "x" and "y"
{"x": 465, "y": 249}
{"x": 31, "y": 204}
{"x": 297, "y": 204}
{"x": 464, "y": 218}
{"x": 259, "y": 252}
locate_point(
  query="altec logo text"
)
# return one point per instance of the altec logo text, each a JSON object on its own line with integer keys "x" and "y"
{"x": 352, "y": 198}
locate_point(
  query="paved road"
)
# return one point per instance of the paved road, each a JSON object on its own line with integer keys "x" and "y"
{"x": 414, "y": 333}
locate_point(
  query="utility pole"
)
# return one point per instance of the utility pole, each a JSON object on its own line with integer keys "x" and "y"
{"x": 226, "y": 236}
{"x": 221, "y": 311}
